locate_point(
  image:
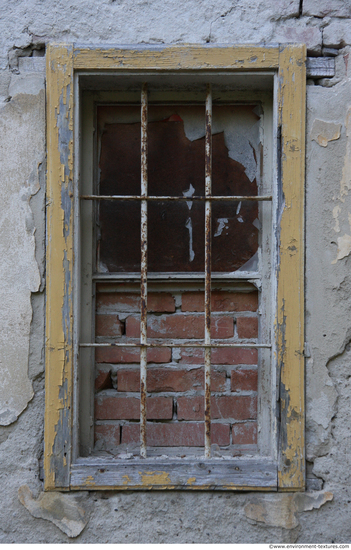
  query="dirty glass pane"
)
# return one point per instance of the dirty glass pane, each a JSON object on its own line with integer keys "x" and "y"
{"x": 235, "y": 171}
{"x": 176, "y": 146}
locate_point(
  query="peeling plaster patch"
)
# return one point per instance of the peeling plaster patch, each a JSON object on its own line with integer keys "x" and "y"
{"x": 336, "y": 212}
{"x": 62, "y": 510}
{"x": 29, "y": 83}
{"x": 345, "y": 184}
{"x": 322, "y": 132}
{"x": 281, "y": 510}
{"x": 321, "y": 411}
{"x": 22, "y": 121}
{"x": 344, "y": 247}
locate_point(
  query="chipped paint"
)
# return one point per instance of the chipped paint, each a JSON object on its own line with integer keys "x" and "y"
{"x": 290, "y": 291}
{"x": 191, "y": 481}
{"x": 127, "y": 480}
{"x": 90, "y": 481}
{"x": 59, "y": 312}
{"x": 322, "y": 132}
{"x": 178, "y": 58}
{"x": 155, "y": 478}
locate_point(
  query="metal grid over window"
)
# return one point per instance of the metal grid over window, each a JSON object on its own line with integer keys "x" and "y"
{"x": 207, "y": 198}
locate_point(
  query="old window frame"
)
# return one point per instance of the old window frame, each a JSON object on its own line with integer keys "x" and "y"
{"x": 64, "y": 469}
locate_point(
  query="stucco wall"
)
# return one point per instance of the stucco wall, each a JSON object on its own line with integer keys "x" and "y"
{"x": 26, "y": 515}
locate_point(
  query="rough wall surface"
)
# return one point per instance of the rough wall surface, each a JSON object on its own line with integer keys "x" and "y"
{"x": 26, "y": 515}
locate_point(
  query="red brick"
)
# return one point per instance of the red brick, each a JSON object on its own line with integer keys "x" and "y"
{"x": 131, "y": 355}
{"x": 126, "y": 302}
{"x": 245, "y": 434}
{"x": 103, "y": 381}
{"x": 220, "y": 356}
{"x": 247, "y": 327}
{"x": 177, "y": 380}
{"x": 108, "y": 324}
{"x": 128, "y": 408}
{"x": 239, "y": 407}
{"x": 182, "y": 434}
{"x": 181, "y": 326}
{"x": 244, "y": 380}
{"x": 109, "y": 433}
{"x": 221, "y": 301}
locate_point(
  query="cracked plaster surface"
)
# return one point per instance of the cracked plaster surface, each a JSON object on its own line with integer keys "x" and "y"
{"x": 159, "y": 21}
{"x": 328, "y": 300}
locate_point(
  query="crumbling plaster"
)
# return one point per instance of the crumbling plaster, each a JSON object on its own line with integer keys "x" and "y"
{"x": 168, "y": 517}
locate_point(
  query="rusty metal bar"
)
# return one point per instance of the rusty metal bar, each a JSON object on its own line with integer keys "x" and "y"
{"x": 172, "y": 345}
{"x": 208, "y": 219}
{"x": 143, "y": 277}
{"x": 176, "y": 198}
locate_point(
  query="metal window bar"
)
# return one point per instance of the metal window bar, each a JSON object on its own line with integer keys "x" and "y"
{"x": 176, "y": 198}
{"x": 208, "y": 219}
{"x": 206, "y": 344}
{"x": 246, "y": 345}
{"x": 143, "y": 278}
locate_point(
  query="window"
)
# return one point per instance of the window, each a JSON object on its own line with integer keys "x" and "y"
{"x": 98, "y": 102}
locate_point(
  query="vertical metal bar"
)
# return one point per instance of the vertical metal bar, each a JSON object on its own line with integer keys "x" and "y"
{"x": 143, "y": 277}
{"x": 208, "y": 216}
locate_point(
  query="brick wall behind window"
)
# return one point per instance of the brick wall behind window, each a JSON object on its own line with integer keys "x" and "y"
{"x": 175, "y": 377}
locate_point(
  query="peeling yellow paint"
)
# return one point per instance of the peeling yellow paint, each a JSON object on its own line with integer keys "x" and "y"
{"x": 90, "y": 481}
{"x": 58, "y": 375}
{"x": 290, "y": 291}
{"x": 127, "y": 480}
{"x": 191, "y": 481}
{"x": 155, "y": 478}
{"x": 178, "y": 58}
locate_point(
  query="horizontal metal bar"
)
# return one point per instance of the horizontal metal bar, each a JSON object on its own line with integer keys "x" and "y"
{"x": 245, "y": 275}
{"x": 176, "y": 198}
{"x": 170, "y": 345}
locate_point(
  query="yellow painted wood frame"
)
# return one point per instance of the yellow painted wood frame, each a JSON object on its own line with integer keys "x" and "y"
{"x": 289, "y": 62}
